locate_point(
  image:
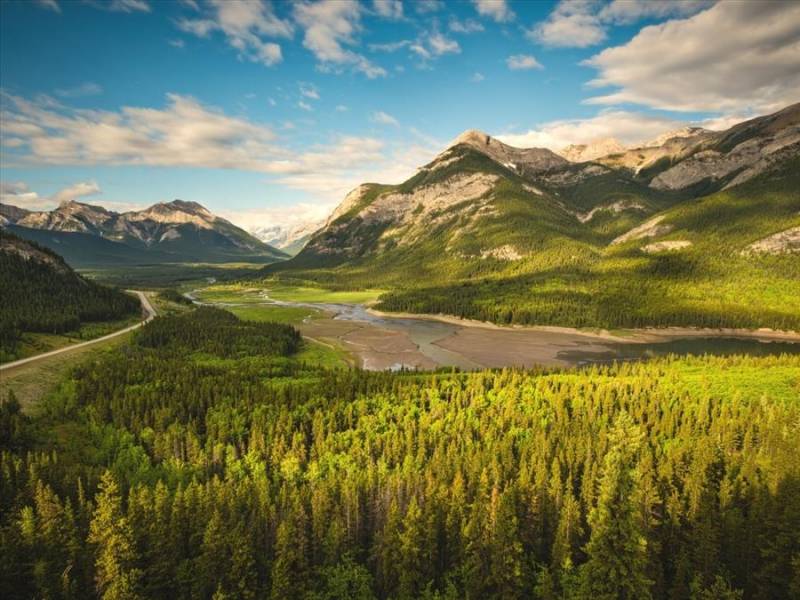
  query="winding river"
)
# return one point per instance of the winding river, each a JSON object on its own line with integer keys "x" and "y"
{"x": 387, "y": 342}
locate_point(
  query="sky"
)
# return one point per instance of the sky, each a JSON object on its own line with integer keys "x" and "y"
{"x": 270, "y": 112}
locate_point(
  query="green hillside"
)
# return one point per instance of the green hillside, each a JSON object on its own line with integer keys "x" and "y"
{"x": 177, "y": 468}
{"x": 565, "y": 270}
{"x": 39, "y": 293}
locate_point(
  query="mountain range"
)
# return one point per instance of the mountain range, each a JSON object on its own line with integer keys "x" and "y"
{"x": 541, "y": 231}
{"x": 177, "y": 231}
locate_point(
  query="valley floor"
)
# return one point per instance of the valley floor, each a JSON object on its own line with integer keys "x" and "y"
{"x": 377, "y": 340}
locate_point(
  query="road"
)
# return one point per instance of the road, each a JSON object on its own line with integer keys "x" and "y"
{"x": 148, "y": 308}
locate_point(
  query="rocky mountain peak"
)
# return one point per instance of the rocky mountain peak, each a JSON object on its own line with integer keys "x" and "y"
{"x": 591, "y": 150}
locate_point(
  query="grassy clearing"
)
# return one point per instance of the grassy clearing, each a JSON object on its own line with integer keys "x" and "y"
{"x": 275, "y": 313}
{"x": 32, "y": 381}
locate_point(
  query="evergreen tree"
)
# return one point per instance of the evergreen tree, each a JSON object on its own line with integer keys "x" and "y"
{"x": 616, "y": 551}
{"x": 116, "y": 574}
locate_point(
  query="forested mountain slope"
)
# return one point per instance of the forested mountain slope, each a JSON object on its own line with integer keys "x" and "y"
{"x": 202, "y": 473}
{"x": 493, "y": 232}
{"x": 40, "y": 293}
{"x": 176, "y": 231}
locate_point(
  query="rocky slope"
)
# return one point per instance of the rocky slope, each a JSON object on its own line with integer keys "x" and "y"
{"x": 173, "y": 231}
{"x": 483, "y": 202}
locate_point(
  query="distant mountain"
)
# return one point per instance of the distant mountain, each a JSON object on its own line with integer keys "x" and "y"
{"x": 176, "y": 231}
{"x": 287, "y": 238}
{"x": 464, "y": 233}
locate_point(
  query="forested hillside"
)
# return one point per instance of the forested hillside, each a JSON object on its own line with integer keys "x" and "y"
{"x": 40, "y": 293}
{"x": 171, "y": 469}
{"x": 700, "y": 231}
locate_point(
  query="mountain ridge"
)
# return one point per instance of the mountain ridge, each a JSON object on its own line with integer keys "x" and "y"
{"x": 167, "y": 231}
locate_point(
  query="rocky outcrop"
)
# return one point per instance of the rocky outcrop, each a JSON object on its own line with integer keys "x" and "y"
{"x": 668, "y": 245}
{"x": 787, "y": 241}
{"x": 650, "y": 228}
{"x": 592, "y": 150}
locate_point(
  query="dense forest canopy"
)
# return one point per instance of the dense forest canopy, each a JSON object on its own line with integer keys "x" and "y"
{"x": 177, "y": 468}
{"x": 40, "y": 293}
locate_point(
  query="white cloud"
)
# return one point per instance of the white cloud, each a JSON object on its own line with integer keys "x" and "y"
{"x": 286, "y": 217}
{"x": 733, "y": 57}
{"x": 389, "y": 9}
{"x": 390, "y": 46}
{"x": 330, "y": 25}
{"x": 177, "y": 43}
{"x": 76, "y": 191}
{"x": 341, "y": 108}
{"x": 190, "y": 4}
{"x": 425, "y": 7}
{"x": 383, "y": 118}
{"x": 247, "y": 27}
{"x": 572, "y": 24}
{"x": 625, "y": 126}
{"x": 127, "y": 6}
{"x": 305, "y": 106}
{"x": 309, "y": 90}
{"x": 186, "y": 133}
{"x": 440, "y": 44}
{"x": 495, "y": 9}
{"x": 477, "y": 77}
{"x": 434, "y": 44}
{"x": 629, "y": 11}
{"x": 85, "y": 89}
{"x": 521, "y": 62}
{"x": 583, "y": 23}
{"x": 50, "y": 5}
{"x": 272, "y": 101}
{"x": 467, "y": 26}
{"x": 19, "y": 194}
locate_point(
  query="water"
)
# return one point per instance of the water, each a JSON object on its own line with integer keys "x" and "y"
{"x": 718, "y": 346}
{"x": 579, "y": 350}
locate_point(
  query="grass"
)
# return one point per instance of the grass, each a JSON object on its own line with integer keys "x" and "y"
{"x": 292, "y": 315}
{"x": 32, "y": 381}
{"x": 32, "y": 344}
{"x": 246, "y": 293}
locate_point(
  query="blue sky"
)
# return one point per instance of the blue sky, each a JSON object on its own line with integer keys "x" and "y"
{"x": 270, "y": 112}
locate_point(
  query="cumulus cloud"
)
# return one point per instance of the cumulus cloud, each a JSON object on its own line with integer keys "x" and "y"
{"x": 432, "y": 44}
{"x": 389, "y": 9}
{"x": 495, "y": 9}
{"x": 628, "y": 127}
{"x": 285, "y": 217}
{"x": 583, "y": 23}
{"x": 309, "y": 90}
{"x": 186, "y": 133}
{"x": 735, "y": 56}
{"x": 330, "y": 26}
{"x": 390, "y": 46}
{"x": 383, "y": 118}
{"x": 572, "y": 23}
{"x": 247, "y": 26}
{"x": 19, "y": 194}
{"x": 467, "y": 26}
{"x": 477, "y": 77}
{"x": 519, "y": 62}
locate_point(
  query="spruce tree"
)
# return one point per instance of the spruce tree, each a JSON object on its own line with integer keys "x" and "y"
{"x": 617, "y": 560}
{"x": 116, "y": 575}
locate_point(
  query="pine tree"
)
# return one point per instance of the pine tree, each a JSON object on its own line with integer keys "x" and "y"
{"x": 617, "y": 558}
{"x": 116, "y": 575}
